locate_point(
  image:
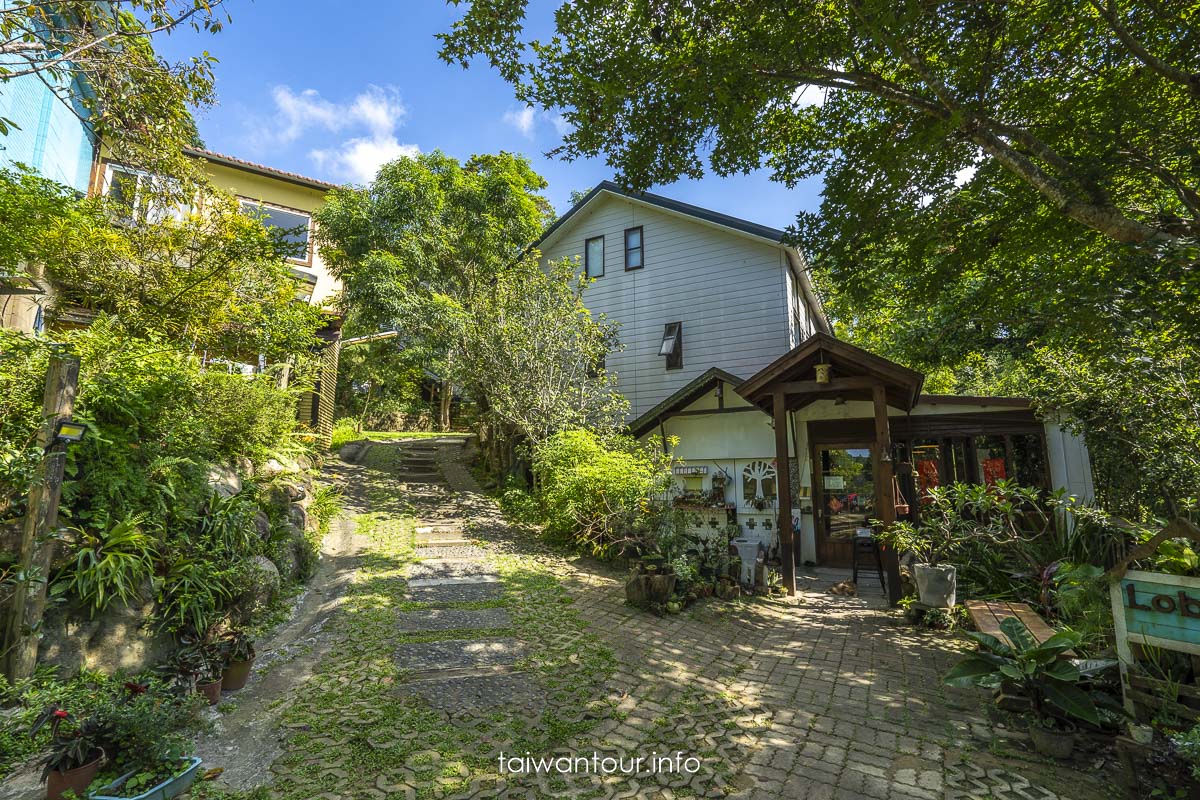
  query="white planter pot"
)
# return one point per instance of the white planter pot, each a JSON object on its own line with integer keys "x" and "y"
{"x": 936, "y": 585}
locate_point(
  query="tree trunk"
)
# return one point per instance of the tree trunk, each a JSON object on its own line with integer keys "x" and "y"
{"x": 445, "y": 396}
{"x": 20, "y": 644}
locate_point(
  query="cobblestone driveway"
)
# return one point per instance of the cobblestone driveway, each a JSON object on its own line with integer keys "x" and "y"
{"x": 822, "y": 698}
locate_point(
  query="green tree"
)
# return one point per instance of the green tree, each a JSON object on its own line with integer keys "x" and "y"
{"x": 212, "y": 279}
{"x": 999, "y": 177}
{"x": 98, "y": 58}
{"x": 426, "y": 237}
{"x": 532, "y": 354}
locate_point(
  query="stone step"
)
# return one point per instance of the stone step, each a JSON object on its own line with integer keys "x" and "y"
{"x": 456, "y": 592}
{"x": 465, "y": 580}
{"x": 449, "y": 568}
{"x": 467, "y": 552}
{"x": 514, "y": 690}
{"x": 442, "y": 542}
{"x": 459, "y": 654}
{"x": 452, "y": 619}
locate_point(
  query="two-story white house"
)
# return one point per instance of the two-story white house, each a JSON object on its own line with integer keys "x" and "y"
{"x": 706, "y": 302}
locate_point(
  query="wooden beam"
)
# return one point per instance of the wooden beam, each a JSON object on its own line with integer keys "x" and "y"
{"x": 783, "y": 491}
{"x": 834, "y": 386}
{"x": 23, "y": 629}
{"x": 885, "y": 499}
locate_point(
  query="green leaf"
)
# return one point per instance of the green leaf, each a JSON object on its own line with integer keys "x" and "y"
{"x": 1071, "y": 700}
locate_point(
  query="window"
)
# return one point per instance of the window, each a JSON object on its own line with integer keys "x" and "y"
{"x": 633, "y": 248}
{"x": 593, "y": 257}
{"x": 142, "y": 197}
{"x": 292, "y": 226}
{"x": 306, "y": 284}
{"x": 672, "y": 345}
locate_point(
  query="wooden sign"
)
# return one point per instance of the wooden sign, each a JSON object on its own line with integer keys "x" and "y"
{"x": 698, "y": 469}
{"x": 1156, "y": 610}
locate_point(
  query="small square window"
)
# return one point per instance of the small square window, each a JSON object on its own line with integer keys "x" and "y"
{"x": 672, "y": 345}
{"x": 593, "y": 257}
{"x": 633, "y": 248}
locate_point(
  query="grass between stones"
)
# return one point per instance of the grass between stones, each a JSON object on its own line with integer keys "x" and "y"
{"x": 349, "y": 731}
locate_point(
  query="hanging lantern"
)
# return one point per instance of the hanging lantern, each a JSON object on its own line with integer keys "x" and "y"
{"x": 823, "y": 372}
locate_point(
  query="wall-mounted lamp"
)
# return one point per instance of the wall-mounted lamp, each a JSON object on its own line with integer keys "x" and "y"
{"x": 823, "y": 372}
{"x": 69, "y": 432}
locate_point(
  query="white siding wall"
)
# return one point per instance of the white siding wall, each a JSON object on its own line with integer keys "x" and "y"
{"x": 730, "y": 292}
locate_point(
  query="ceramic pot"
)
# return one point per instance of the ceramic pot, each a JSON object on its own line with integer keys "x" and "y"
{"x": 170, "y": 788}
{"x": 211, "y": 690}
{"x": 76, "y": 780}
{"x": 1053, "y": 742}
{"x": 236, "y": 674}
{"x": 936, "y": 586}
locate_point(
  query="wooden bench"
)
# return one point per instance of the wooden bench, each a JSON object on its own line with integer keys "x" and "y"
{"x": 987, "y": 614}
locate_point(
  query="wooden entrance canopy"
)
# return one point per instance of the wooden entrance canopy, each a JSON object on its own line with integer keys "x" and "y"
{"x": 824, "y": 368}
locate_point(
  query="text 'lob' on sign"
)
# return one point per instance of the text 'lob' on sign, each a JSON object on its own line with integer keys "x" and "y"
{"x": 1157, "y": 609}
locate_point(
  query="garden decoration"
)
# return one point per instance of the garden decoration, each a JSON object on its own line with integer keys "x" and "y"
{"x": 76, "y": 750}
{"x": 237, "y": 650}
{"x": 1051, "y": 684}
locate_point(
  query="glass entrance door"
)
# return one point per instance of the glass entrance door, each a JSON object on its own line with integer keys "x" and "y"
{"x": 846, "y": 502}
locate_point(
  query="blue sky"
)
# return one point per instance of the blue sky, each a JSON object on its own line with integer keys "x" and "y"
{"x": 305, "y": 88}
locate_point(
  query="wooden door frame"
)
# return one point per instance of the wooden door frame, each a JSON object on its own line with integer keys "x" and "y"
{"x": 818, "y": 481}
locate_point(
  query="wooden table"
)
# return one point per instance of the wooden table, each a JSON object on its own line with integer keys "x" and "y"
{"x": 987, "y": 615}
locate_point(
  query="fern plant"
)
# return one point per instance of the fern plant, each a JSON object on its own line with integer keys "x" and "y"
{"x": 109, "y": 565}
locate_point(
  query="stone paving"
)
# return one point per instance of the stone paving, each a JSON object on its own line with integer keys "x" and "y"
{"x": 482, "y": 643}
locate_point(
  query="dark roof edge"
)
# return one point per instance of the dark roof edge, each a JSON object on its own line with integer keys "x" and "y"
{"x": 685, "y": 395}
{"x": 260, "y": 169}
{"x": 773, "y": 235}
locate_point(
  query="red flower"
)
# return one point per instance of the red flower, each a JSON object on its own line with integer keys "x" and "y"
{"x": 60, "y": 714}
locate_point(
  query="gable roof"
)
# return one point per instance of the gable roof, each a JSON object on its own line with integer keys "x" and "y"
{"x": 706, "y": 216}
{"x": 259, "y": 169}
{"x": 773, "y": 235}
{"x": 686, "y": 395}
{"x": 903, "y": 385}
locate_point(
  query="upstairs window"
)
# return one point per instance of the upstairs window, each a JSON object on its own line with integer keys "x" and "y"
{"x": 142, "y": 197}
{"x": 633, "y": 248}
{"x": 672, "y": 345}
{"x": 294, "y": 227}
{"x": 593, "y": 257}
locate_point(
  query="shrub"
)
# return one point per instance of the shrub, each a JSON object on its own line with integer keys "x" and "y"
{"x": 595, "y": 492}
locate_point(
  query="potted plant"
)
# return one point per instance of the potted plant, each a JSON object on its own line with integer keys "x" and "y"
{"x": 942, "y": 528}
{"x": 1051, "y": 683}
{"x": 151, "y": 757}
{"x": 237, "y": 651}
{"x": 196, "y": 666}
{"x": 76, "y": 749}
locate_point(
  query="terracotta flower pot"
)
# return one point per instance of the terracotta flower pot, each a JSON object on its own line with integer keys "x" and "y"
{"x": 76, "y": 780}
{"x": 1053, "y": 742}
{"x": 212, "y": 691}
{"x": 236, "y": 674}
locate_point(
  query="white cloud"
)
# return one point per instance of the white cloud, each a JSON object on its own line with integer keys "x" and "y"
{"x": 964, "y": 175}
{"x": 360, "y": 159}
{"x": 377, "y": 111}
{"x": 561, "y": 126}
{"x": 522, "y": 120}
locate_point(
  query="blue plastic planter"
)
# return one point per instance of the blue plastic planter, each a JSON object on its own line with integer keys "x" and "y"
{"x": 164, "y": 791}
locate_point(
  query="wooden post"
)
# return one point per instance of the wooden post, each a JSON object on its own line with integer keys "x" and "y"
{"x": 22, "y": 631}
{"x": 885, "y": 500}
{"x": 783, "y": 491}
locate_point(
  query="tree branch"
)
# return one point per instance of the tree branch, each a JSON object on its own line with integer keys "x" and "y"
{"x": 1108, "y": 12}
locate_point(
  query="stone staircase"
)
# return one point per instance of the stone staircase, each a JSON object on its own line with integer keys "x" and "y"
{"x": 475, "y": 665}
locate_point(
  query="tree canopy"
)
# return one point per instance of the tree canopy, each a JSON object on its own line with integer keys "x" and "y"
{"x": 427, "y": 236}
{"x": 1008, "y": 186}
